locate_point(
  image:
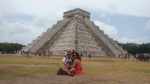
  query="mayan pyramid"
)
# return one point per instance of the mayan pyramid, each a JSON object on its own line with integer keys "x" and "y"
{"x": 75, "y": 32}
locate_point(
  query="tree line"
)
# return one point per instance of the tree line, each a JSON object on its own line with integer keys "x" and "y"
{"x": 10, "y": 48}
{"x": 132, "y": 48}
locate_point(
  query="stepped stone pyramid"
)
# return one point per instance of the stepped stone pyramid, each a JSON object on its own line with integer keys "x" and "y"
{"x": 75, "y": 32}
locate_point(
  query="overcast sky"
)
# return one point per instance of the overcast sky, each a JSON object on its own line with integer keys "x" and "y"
{"x": 21, "y": 21}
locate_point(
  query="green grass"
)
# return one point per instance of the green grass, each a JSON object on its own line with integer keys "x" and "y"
{"x": 12, "y": 66}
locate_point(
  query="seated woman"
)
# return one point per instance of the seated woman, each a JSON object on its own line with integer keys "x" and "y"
{"x": 77, "y": 66}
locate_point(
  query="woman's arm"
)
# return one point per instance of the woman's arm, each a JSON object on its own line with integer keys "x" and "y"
{"x": 74, "y": 63}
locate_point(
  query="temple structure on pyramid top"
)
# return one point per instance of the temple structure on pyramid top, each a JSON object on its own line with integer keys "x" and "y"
{"x": 75, "y": 32}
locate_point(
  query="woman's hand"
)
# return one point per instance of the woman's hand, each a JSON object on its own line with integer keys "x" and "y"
{"x": 69, "y": 66}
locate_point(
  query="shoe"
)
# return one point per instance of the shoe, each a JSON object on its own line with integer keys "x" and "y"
{"x": 59, "y": 72}
{"x": 72, "y": 74}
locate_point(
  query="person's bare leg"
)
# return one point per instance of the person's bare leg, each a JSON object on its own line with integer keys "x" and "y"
{"x": 71, "y": 70}
{"x": 64, "y": 69}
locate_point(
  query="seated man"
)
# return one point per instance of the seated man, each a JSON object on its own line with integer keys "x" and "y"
{"x": 65, "y": 66}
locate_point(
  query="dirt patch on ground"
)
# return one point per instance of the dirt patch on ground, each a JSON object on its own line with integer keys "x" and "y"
{"x": 9, "y": 67}
{"x": 77, "y": 79}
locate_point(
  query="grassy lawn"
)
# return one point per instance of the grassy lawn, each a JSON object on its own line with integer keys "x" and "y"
{"x": 12, "y": 66}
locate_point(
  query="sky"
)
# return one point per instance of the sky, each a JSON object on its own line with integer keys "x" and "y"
{"x": 126, "y": 21}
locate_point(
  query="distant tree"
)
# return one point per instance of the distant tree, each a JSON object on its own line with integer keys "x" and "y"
{"x": 133, "y": 48}
{"x": 10, "y": 47}
{"x": 144, "y": 48}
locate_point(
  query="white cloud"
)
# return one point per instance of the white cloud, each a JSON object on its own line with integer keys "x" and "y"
{"x": 103, "y": 15}
{"x": 139, "y": 40}
{"x": 23, "y": 32}
{"x": 147, "y": 26}
{"x": 126, "y": 7}
{"x": 134, "y": 7}
{"x": 110, "y": 30}
{"x": 61, "y": 11}
{"x": 49, "y": 7}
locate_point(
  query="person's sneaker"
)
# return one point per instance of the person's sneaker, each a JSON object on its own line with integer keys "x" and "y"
{"x": 72, "y": 74}
{"x": 58, "y": 72}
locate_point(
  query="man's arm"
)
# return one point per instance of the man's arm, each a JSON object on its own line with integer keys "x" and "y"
{"x": 74, "y": 64}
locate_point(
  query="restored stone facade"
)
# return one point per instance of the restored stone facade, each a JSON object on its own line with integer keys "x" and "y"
{"x": 75, "y": 32}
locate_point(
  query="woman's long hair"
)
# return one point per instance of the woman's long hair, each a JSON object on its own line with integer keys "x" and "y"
{"x": 78, "y": 56}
